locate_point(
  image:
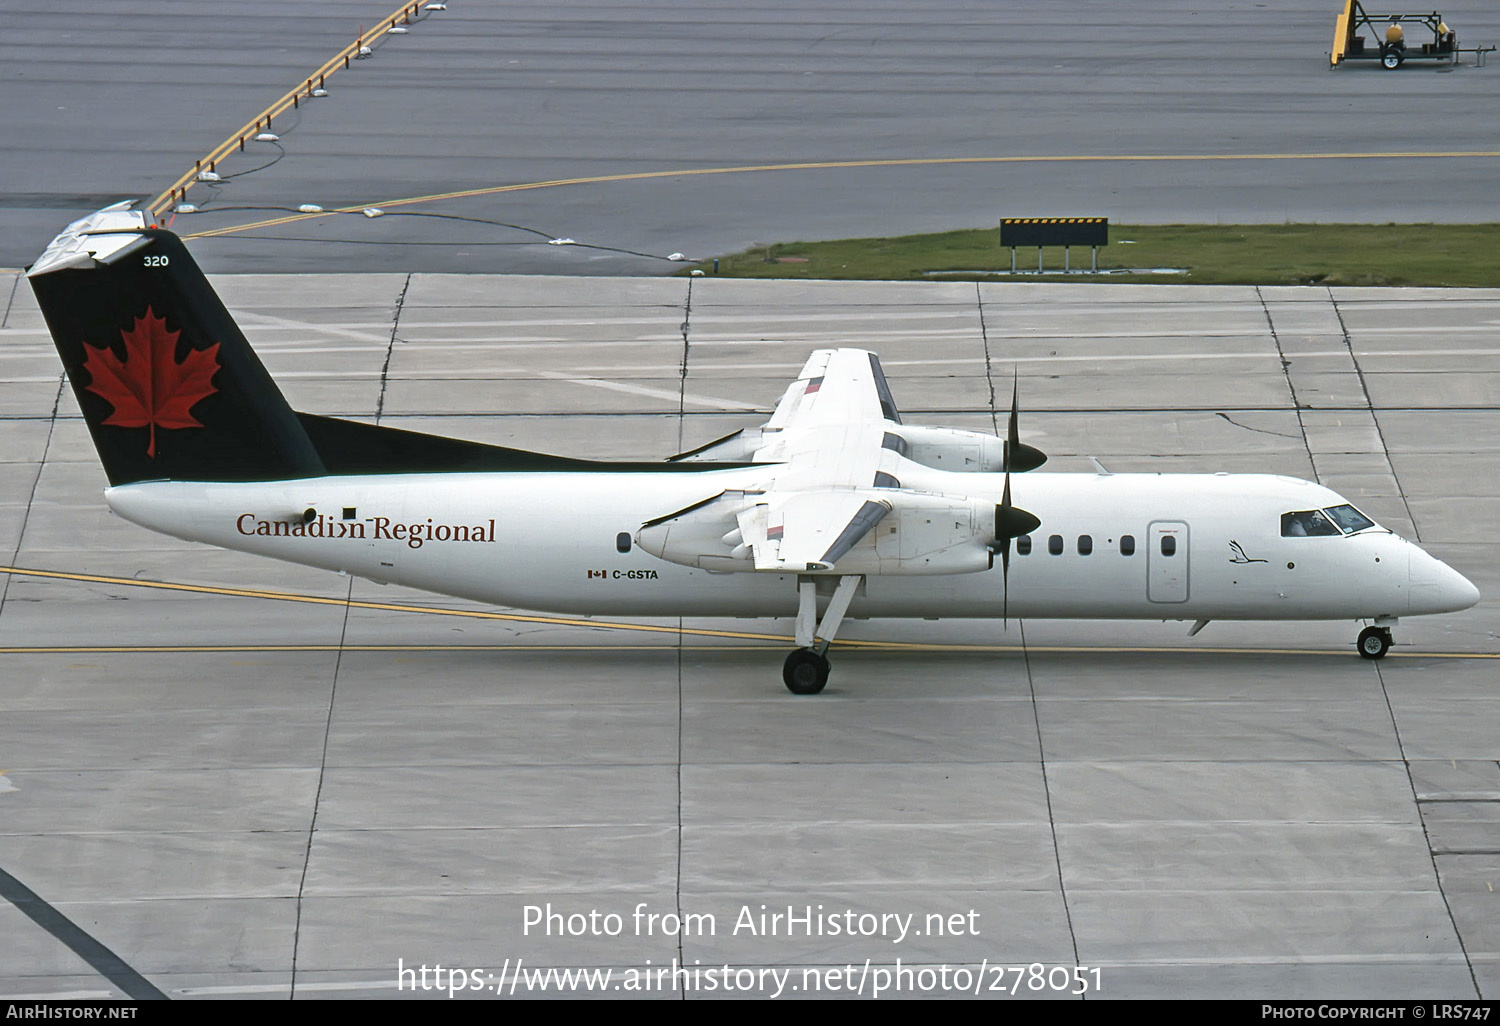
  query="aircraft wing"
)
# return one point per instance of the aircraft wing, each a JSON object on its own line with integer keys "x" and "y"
{"x": 836, "y": 386}
{"x": 829, "y": 425}
{"x": 827, "y": 432}
{"x": 824, "y": 490}
{"x": 833, "y": 453}
{"x": 808, "y": 530}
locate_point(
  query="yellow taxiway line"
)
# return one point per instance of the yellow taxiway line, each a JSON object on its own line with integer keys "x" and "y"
{"x": 286, "y": 596}
{"x": 177, "y": 191}
{"x": 394, "y": 607}
{"x": 826, "y": 164}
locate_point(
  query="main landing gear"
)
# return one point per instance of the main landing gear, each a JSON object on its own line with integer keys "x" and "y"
{"x": 806, "y": 669}
{"x": 805, "y": 672}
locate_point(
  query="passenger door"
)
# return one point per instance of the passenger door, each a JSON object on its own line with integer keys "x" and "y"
{"x": 1167, "y": 562}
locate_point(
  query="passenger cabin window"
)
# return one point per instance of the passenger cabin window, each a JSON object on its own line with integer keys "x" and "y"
{"x": 1085, "y": 544}
{"x": 622, "y": 541}
{"x": 1168, "y": 545}
{"x": 1127, "y": 544}
{"x": 1055, "y": 545}
{"x": 1023, "y": 545}
{"x": 1307, "y": 524}
{"x": 1349, "y": 519}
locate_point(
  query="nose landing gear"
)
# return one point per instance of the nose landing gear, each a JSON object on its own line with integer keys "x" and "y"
{"x": 1374, "y": 642}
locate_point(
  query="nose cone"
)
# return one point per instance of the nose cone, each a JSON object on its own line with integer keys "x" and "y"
{"x": 1457, "y": 591}
{"x": 1438, "y": 588}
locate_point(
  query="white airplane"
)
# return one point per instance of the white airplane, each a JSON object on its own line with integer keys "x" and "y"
{"x": 834, "y": 507}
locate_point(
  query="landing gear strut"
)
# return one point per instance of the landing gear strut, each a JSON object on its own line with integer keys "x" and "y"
{"x": 1374, "y": 642}
{"x": 806, "y": 669}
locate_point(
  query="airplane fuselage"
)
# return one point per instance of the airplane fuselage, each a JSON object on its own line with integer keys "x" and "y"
{"x": 1142, "y": 546}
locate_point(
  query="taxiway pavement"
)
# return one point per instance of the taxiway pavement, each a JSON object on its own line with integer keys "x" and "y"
{"x": 621, "y": 126}
{"x": 243, "y": 796}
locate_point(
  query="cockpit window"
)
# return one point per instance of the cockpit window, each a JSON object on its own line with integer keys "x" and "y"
{"x": 1307, "y": 524}
{"x": 1348, "y": 518}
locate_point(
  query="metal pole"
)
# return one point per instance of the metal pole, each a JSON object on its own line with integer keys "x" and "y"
{"x": 1065, "y": 258}
{"x": 1039, "y": 260}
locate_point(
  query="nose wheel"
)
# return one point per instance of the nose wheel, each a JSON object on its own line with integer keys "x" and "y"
{"x": 1374, "y": 642}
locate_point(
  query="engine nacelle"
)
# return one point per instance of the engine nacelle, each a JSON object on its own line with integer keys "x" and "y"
{"x": 935, "y": 447}
{"x": 922, "y": 534}
{"x": 948, "y": 448}
{"x": 705, "y": 535}
{"x": 738, "y": 447}
{"x": 928, "y": 534}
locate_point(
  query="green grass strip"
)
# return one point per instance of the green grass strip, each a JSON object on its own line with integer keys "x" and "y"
{"x": 1448, "y": 255}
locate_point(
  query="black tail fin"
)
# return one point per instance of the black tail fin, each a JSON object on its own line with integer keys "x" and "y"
{"x": 168, "y": 385}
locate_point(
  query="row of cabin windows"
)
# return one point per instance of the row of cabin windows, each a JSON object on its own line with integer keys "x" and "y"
{"x": 1055, "y": 545}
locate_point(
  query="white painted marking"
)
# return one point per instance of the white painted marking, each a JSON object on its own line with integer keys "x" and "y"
{"x": 270, "y": 320}
{"x": 280, "y": 988}
{"x": 655, "y": 393}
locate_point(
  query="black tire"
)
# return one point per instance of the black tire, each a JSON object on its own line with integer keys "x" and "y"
{"x": 1391, "y": 59}
{"x": 1374, "y": 642}
{"x": 805, "y": 672}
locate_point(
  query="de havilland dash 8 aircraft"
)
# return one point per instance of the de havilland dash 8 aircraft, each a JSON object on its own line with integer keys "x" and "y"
{"x": 833, "y": 508}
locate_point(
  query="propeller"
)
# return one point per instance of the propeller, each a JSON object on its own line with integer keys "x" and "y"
{"x": 1012, "y": 522}
{"x": 1019, "y": 456}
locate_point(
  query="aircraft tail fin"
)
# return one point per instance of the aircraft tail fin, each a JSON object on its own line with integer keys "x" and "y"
{"x": 168, "y": 384}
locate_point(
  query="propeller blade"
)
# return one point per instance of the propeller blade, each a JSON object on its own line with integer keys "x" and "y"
{"x": 1019, "y": 456}
{"x": 1013, "y": 430}
{"x": 1005, "y": 583}
{"x": 1010, "y": 522}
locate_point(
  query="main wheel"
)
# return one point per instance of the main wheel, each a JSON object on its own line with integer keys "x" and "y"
{"x": 1374, "y": 642}
{"x": 805, "y": 672}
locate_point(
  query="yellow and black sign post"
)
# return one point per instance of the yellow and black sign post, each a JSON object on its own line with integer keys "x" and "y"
{"x": 1054, "y": 231}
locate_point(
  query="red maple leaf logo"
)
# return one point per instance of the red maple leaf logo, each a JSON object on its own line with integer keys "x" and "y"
{"x": 149, "y": 388}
